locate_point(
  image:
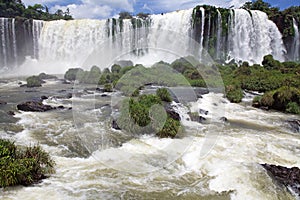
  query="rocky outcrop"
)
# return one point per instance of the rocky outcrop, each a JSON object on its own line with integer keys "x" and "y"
{"x": 171, "y": 112}
{"x": 294, "y": 124}
{"x": 3, "y": 102}
{"x": 288, "y": 177}
{"x": 34, "y": 106}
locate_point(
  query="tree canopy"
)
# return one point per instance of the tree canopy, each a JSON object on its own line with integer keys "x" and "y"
{"x": 16, "y": 8}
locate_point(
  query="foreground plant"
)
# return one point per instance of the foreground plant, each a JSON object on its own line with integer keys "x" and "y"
{"x": 23, "y": 166}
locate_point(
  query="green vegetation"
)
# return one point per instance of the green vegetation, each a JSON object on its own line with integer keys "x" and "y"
{"x": 283, "y": 99}
{"x": 20, "y": 166}
{"x": 108, "y": 88}
{"x": 15, "y": 8}
{"x": 164, "y": 94}
{"x": 125, "y": 15}
{"x": 146, "y": 115}
{"x": 34, "y": 81}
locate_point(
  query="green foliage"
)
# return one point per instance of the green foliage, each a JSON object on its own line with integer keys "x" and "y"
{"x": 44, "y": 76}
{"x": 108, "y": 88}
{"x": 15, "y": 8}
{"x": 74, "y": 74}
{"x": 145, "y": 115}
{"x": 34, "y": 81}
{"x": 125, "y": 15}
{"x": 116, "y": 68}
{"x": 293, "y": 107}
{"x": 164, "y": 94}
{"x": 234, "y": 93}
{"x": 270, "y": 63}
{"x": 170, "y": 128}
{"x": 23, "y": 166}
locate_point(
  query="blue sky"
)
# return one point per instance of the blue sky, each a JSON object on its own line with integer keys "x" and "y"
{"x": 101, "y": 9}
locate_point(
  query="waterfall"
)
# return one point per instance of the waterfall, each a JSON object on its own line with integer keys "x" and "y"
{"x": 15, "y": 55}
{"x": 3, "y": 25}
{"x": 202, "y": 30}
{"x": 254, "y": 36}
{"x": 296, "y": 43}
{"x": 219, "y": 36}
{"x": 36, "y": 31}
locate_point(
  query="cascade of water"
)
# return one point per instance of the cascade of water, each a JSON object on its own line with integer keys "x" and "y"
{"x": 3, "y": 24}
{"x": 219, "y": 36}
{"x": 296, "y": 44}
{"x": 254, "y": 36}
{"x": 15, "y": 55}
{"x": 37, "y": 26}
{"x": 202, "y": 30}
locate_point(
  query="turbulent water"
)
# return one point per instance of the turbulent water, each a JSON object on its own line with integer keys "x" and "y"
{"x": 296, "y": 44}
{"x": 123, "y": 167}
{"x": 250, "y": 36}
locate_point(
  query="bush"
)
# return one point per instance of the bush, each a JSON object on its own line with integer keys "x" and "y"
{"x": 34, "y": 81}
{"x": 170, "y": 128}
{"x": 23, "y": 166}
{"x": 164, "y": 94}
{"x": 74, "y": 74}
{"x": 234, "y": 93}
{"x": 293, "y": 107}
{"x": 108, "y": 88}
{"x": 43, "y": 76}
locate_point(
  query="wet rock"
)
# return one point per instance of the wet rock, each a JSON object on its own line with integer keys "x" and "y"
{"x": 115, "y": 125}
{"x": 34, "y": 106}
{"x": 11, "y": 113}
{"x": 60, "y": 107}
{"x": 44, "y": 97}
{"x": 288, "y": 177}
{"x": 104, "y": 95}
{"x": 201, "y": 111}
{"x": 200, "y": 91}
{"x": 223, "y": 119}
{"x": 294, "y": 125}
{"x": 171, "y": 112}
{"x": 195, "y": 117}
{"x": 2, "y": 102}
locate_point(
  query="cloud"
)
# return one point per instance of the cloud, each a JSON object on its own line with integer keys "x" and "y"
{"x": 97, "y": 9}
{"x": 32, "y": 2}
{"x": 85, "y": 11}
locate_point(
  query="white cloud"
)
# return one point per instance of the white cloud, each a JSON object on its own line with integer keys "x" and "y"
{"x": 85, "y": 11}
{"x": 96, "y": 8}
{"x": 32, "y": 2}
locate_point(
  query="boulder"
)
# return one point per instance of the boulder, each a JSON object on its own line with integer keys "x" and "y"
{"x": 288, "y": 177}
{"x": 294, "y": 125}
{"x": 34, "y": 106}
{"x": 223, "y": 119}
{"x": 171, "y": 112}
{"x": 3, "y": 102}
{"x": 11, "y": 113}
{"x": 115, "y": 125}
{"x": 44, "y": 97}
{"x": 201, "y": 111}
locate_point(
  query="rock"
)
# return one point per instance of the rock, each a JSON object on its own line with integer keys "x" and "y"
{"x": 224, "y": 119}
{"x": 205, "y": 112}
{"x": 195, "y": 117}
{"x": 34, "y": 106}
{"x": 20, "y": 83}
{"x": 201, "y": 119}
{"x": 294, "y": 125}
{"x": 104, "y": 95}
{"x": 23, "y": 85}
{"x": 3, "y": 102}
{"x": 288, "y": 177}
{"x": 44, "y": 97}
{"x": 171, "y": 112}
{"x": 115, "y": 125}
{"x": 61, "y": 107}
{"x": 11, "y": 113}
{"x": 124, "y": 63}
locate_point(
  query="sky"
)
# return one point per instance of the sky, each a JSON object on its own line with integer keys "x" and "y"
{"x": 102, "y": 9}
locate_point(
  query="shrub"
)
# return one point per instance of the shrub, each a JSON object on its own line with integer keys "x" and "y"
{"x": 267, "y": 99}
{"x": 164, "y": 94}
{"x": 43, "y": 76}
{"x": 74, "y": 74}
{"x": 170, "y": 128}
{"x": 23, "y": 166}
{"x": 293, "y": 107}
{"x": 108, "y": 88}
{"x": 34, "y": 81}
{"x": 234, "y": 93}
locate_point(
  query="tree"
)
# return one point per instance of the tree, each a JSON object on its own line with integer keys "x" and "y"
{"x": 125, "y": 15}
